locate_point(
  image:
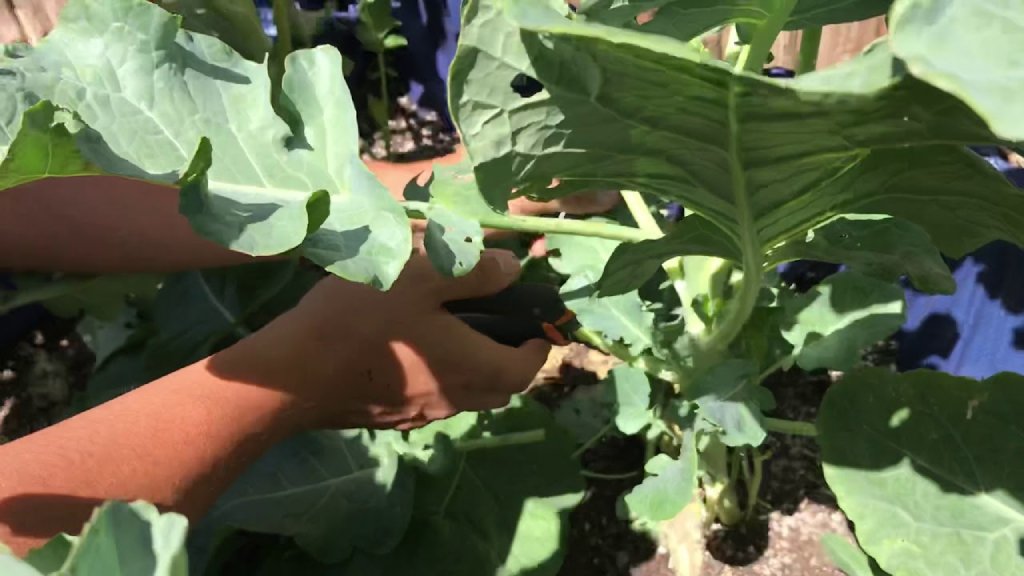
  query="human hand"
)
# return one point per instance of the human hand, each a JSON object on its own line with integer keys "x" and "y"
{"x": 352, "y": 356}
{"x": 27, "y": 20}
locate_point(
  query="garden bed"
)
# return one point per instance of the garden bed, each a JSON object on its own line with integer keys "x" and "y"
{"x": 796, "y": 506}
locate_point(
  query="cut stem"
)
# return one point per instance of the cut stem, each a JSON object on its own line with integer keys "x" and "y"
{"x": 603, "y": 476}
{"x": 542, "y": 225}
{"x": 792, "y": 427}
{"x": 810, "y": 43}
{"x": 502, "y": 441}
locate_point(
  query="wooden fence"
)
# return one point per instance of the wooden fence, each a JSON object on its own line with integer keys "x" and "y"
{"x": 838, "y": 42}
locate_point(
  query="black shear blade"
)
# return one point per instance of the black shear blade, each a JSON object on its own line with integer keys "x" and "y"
{"x": 517, "y": 314}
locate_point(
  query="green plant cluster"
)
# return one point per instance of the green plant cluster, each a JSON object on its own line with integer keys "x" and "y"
{"x": 865, "y": 164}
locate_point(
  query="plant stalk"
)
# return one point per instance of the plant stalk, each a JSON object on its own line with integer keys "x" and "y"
{"x": 641, "y": 212}
{"x": 810, "y": 43}
{"x": 382, "y": 66}
{"x": 754, "y": 55}
{"x": 502, "y": 441}
{"x": 542, "y": 225}
{"x": 792, "y": 427}
{"x": 754, "y": 481}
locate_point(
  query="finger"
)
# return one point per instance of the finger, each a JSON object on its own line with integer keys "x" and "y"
{"x": 583, "y": 203}
{"x": 10, "y": 30}
{"x": 496, "y": 270}
{"x": 589, "y": 202}
{"x": 505, "y": 369}
{"x": 518, "y": 366}
{"x": 34, "y": 20}
{"x": 539, "y": 247}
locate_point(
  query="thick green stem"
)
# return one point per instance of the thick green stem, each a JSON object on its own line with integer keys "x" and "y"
{"x": 723, "y": 333}
{"x": 385, "y": 102}
{"x": 641, "y": 212}
{"x": 542, "y": 225}
{"x": 810, "y": 42}
{"x": 720, "y": 490}
{"x": 502, "y": 441}
{"x": 754, "y": 56}
{"x": 754, "y": 480}
{"x": 793, "y": 427}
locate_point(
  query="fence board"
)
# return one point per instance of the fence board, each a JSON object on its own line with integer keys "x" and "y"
{"x": 838, "y": 42}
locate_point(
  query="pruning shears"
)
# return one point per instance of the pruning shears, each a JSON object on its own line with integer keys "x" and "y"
{"x": 519, "y": 313}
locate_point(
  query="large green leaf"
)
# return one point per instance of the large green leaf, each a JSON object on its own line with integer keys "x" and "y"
{"x": 632, "y": 392}
{"x": 686, "y": 19}
{"x": 195, "y": 314}
{"x": 630, "y": 265}
{"x": 500, "y": 509}
{"x": 831, "y": 324}
{"x": 42, "y": 149}
{"x": 14, "y": 566}
{"x": 928, "y": 468}
{"x": 69, "y": 296}
{"x": 158, "y": 102}
{"x": 848, "y": 557}
{"x": 669, "y": 486}
{"x": 617, "y": 318}
{"x": 51, "y": 556}
{"x": 938, "y": 42}
{"x": 234, "y": 22}
{"x": 763, "y": 160}
{"x": 199, "y": 312}
{"x": 876, "y": 246}
{"x": 761, "y": 340}
{"x": 134, "y": 538}
{"x": 730, "y": 399}
{"x": 375, "y": 25}
{"x": 334, "y": 492}
{"x": 453, "y": 237}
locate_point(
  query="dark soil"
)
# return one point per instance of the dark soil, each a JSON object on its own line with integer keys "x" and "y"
{"x": 38, "y": 376}
{"x": 416, "y": 134}
{"x": 600, "y": 543}
{"x": 795, "y": 507}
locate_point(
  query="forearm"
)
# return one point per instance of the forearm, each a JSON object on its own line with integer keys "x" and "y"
{"x": 177, "y": 442}
{"x": 101, "y": 224}
{"x": 110, "y": 225}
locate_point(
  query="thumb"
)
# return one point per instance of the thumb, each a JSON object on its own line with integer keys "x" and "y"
{"x": 496, "y": 270}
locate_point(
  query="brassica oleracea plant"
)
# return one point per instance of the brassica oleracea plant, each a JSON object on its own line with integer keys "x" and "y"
{"x": 867, "y": 164}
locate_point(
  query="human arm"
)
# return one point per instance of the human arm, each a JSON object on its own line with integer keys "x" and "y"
{"x": 346, "y": 356}
{"x": 109, "y": 224}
